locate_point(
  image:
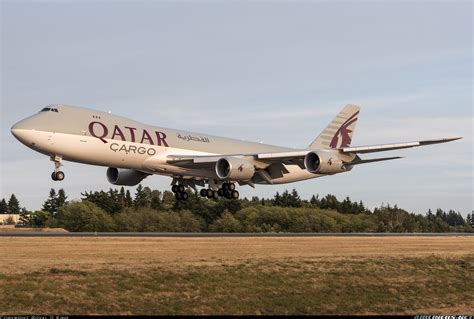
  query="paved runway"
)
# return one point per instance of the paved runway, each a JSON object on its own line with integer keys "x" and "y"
{"x": 137, "y": 234}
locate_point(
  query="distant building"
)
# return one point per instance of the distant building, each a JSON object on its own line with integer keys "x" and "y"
{"x": 5, "y": 217}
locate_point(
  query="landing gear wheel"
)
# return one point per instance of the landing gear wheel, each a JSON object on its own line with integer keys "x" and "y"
{"x": 231, "y": 186}
{"x": 235, "y": 194}
{"x": 178, "y": 196}
{"x": 227, "y": 194}
{"x": 59, "y": 176}
{"x": 203, "y": 192}
{"x": 174, "y": 188}
{"x": 209, "y": 193}
{"x": 225, "y": 186}
{"x": 181, "y": 188}
{"x": 220, "y": 192}
{"x": 184, "y": 196}
{"x": 215, "y": 194}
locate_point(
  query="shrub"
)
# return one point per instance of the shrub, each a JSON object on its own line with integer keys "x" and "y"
{"x": 36, "y": 219}
{"x": 84, "y": 216}
{"x": 227, "y": 223}
{"x": 149, "y": 220}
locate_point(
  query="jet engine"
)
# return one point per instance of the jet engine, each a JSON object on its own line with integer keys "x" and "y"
{"x": 234, "y": 168}
{"x": 126, "y": 177}
{"x": 324, "y": 163}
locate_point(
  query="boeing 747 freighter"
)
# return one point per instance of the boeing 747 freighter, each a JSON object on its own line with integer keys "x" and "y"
{"x": 132, "y": 151}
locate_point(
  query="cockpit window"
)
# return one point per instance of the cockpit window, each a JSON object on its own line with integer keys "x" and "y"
{"x": 49, "y": 109}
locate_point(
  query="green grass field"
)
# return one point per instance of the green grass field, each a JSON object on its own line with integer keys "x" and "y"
{"x": 360, "y": 283}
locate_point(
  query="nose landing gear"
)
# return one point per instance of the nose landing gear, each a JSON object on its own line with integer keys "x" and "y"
{"x": 57, "y": 175}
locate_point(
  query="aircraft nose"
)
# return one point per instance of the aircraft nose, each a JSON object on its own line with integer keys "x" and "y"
{"x": 22, "y": 131}
{"x": 15, "y": 130}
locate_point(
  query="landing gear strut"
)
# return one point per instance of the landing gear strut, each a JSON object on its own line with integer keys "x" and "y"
{"x": 57, "y": 175}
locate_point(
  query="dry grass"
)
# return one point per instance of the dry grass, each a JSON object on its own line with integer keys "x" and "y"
{"x": 40, "y": 253}
{"x": 266, "y": 275}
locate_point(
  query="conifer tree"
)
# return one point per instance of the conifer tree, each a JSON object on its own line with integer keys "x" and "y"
{"x": 13, "y": 205}
{"x": 50, "y": 204}
{"x": 294, "y": 199}
{"x": 314, "y": 200}
{"x": 3, "y": 206}
{"x": 128, "y": 199}
{"x": 277, "y": 199}
{"x": 61, "y": 199}
{"x": 122, "y": 196}
{"x": 142, "y": 197}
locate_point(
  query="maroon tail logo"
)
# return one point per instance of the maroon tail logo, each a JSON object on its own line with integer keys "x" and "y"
{"x": 344, "y": 132}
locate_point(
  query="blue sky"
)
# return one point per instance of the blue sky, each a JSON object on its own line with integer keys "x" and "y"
{"x": 275, "y": 72}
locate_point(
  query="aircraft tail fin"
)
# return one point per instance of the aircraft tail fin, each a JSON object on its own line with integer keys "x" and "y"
{"x": 339, "y": 132}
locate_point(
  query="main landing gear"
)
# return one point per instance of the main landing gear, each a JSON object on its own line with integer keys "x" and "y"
{"x": 57, "y": 175}
{"x": 228, "y": 191}
{"x": 209, "y": 193}
{"x": 179, "y": 192}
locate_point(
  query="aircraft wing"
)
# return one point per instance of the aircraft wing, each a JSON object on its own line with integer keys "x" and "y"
{"x": 288, "y": 157}
{"x": 269, "y": 166}
{"x": 391, "y": 147}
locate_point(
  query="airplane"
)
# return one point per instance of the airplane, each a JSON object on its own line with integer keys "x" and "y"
{"x": 132, "y": 151}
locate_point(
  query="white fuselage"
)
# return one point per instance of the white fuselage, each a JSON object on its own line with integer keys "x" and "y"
{"x": 96, "y": 138}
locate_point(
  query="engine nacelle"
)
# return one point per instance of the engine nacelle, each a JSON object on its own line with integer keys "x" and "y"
{"x": 233, "y": 168}
{"x": 126, "y": 177}
{"x": 324, "y": 163}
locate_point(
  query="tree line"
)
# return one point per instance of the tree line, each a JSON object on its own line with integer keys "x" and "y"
{"x": 154, "y": 210}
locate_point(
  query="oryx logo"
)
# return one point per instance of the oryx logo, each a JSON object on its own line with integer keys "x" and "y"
{"x": 342, "y": 137}
{"x": 241, "y": 168}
